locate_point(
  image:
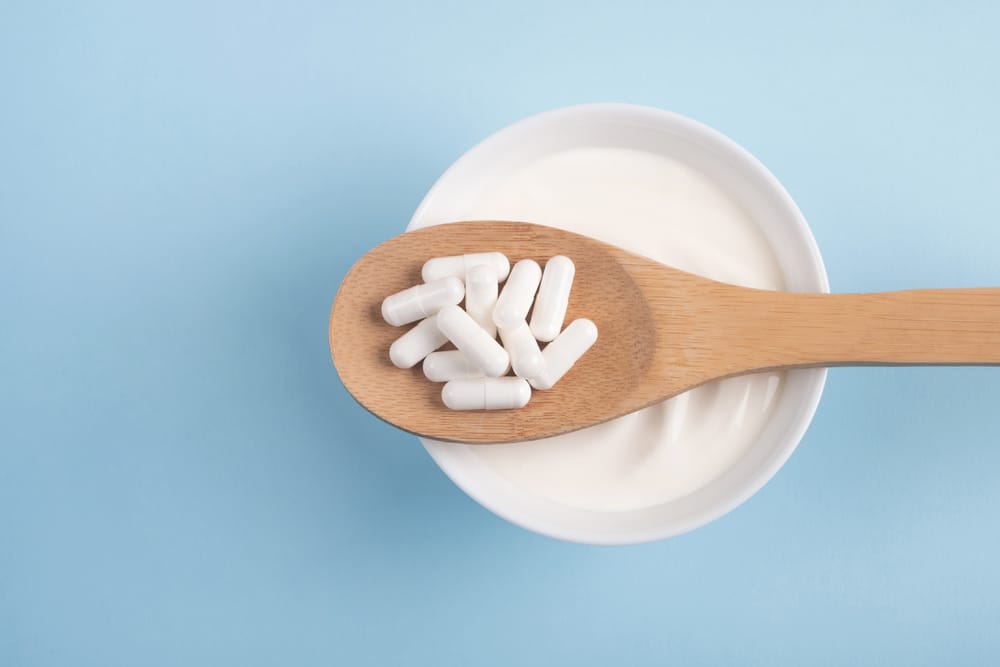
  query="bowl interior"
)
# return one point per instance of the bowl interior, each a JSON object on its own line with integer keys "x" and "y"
{"x": 748, "y": 182}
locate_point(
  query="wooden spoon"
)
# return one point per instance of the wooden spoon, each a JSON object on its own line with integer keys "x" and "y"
{"x": 661, "y": 332}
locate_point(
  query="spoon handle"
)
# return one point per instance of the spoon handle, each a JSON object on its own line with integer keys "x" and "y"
{"x": 933, "y": 326}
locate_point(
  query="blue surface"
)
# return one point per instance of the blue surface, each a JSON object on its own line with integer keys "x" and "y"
{"x": 183, "y": 480}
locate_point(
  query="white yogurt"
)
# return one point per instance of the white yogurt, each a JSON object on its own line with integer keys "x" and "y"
{"x": 667, "y": 211}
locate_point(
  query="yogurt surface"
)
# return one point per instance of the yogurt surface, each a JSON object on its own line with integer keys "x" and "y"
{"x": 666, "y": 210}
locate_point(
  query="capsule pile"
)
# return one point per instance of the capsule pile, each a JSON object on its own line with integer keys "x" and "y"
{"x": 477, "y": 373}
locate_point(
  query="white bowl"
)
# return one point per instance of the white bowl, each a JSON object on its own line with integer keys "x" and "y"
{"x": 749, "y": 183}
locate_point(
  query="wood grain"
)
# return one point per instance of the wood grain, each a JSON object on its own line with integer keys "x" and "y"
{"x": 662, "y": 331}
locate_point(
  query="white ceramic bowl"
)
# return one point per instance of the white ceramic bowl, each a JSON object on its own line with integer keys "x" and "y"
{"x": 749, "y": 183}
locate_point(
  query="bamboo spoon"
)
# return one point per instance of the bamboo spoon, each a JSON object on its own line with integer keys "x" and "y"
{"x": 661, "y": 332}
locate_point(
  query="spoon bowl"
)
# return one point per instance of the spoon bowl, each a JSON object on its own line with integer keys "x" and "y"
{"x": 607, "y": 376}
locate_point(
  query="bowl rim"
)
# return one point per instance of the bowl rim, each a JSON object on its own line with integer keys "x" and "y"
{"x": 814, "y": 379}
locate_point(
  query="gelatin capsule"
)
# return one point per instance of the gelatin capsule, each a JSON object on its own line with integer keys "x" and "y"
{"x": 458, "y": 265}
{"x": 449, "y": 365}
{"x": 478, "y": 346}
{"x": 481, "y": 287}
{"x": 417, "y": 343}
{"x": 486, "y": 394}
{"x": 515, "y": 300}
{"x": 553, "y": 298}
{"x": 560, "y": 355}
{"x": 525, "y": 357}
{"x": 421, "y": 301}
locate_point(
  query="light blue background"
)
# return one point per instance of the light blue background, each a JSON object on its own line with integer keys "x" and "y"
{"x": 183, "y": 479}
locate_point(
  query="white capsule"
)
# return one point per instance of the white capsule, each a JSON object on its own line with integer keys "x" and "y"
{"x": 560, "y": 355}
{"x": 421, "y": 300}
{"x": 449, "y": 365}
{"x": 481, "y": 296}
{"x": 515, "y": 300}
{"x": 525, "y": 357}
{"x": 417, "y": 343}
{"x": 478, "y": 346}
{"x": 486, "y": 394}
{"x": 553, "y": 298}
{"x": 459, "y": 265}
